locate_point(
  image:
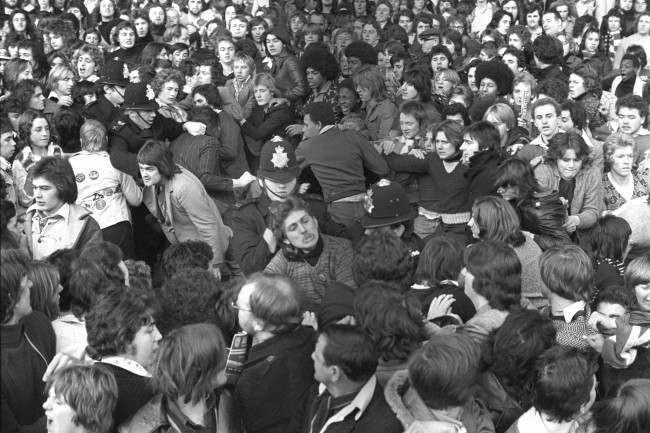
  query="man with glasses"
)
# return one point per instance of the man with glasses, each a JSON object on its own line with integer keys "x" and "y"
{"x": 106, "y": 108}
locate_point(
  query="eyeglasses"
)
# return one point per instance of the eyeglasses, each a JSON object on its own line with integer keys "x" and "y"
{"x": 234, "y": 305}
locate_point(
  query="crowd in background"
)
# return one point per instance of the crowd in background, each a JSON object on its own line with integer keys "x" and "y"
{"x": 323, "y": 216}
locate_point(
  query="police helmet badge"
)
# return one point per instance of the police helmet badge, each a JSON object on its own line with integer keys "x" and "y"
{"x": 280, "y": 158}
{"x": 367, "y": 203}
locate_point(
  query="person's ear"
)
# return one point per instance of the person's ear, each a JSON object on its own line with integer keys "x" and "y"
{"x": 258, "y": 325}
{"x": 399, "y": 230}
{"x": 336, "y": 374}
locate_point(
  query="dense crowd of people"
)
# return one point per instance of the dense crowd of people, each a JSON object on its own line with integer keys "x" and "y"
{"x": 323, "y": 216}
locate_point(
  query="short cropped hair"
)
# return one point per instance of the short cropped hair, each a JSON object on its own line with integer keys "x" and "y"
{"x": 189, "y": 358}
{"x": 90, "y": 391}
{"x": 93, "y": 136}
{"x": 497, "y": 273}
{"x": 567, "y": 271}
{"x": 116, "y": 317}
{"x": 546, "y": 101}
{"x": 15, "y": 264}
{"x": 564, "y": 380}
{"x": 391, "y": 319}
{"x": 445, "y": 369}
{"x": 158, "y": 154}
{"x": 382, "y": 257}
{"x": 351, "y": 350}
{"x": 613, "y": 295}
{"x": 59, "y": 172}
{"x": 633, "y": 102}
{"x": 275, "y": 300}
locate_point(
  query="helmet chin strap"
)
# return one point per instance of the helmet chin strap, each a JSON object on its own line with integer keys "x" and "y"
{"x": 142, "y": 119}
{"x": 270, "y": 192}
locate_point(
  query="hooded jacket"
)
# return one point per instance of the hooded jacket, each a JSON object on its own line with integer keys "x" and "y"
{"x": 409, "y": 407}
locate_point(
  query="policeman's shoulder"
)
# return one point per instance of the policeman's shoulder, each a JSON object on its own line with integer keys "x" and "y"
{"x": 312, "y": 197}
{"x": 118, "y": 125}
{"x": 246, "y": 203}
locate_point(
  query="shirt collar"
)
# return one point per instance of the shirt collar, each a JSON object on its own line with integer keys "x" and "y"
{"x": 359, "y": 403}
{"x": 324, "y": 88}
{"x": 325, "y": 129}
{"x": 569, "y": 312}
{"x": 642, "y": 131}
{"x": 127, "y": 364}
{"x": 63, "y": 212}
{"x": 4, "y": 164}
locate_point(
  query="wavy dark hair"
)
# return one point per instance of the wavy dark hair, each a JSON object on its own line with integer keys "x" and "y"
{"x": 563, "y": 141}
{"x": 522, "y": 338}
{"x": 383, "y": 257}
{"x": 116, "y": 317}
{"x": 391, "y": 319}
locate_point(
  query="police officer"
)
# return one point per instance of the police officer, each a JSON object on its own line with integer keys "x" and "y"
{"x": 106, "y": 108}
{"x": 139, "y": 123}
{"x": 253, "y": 243}
{"x": 387, "y": 208}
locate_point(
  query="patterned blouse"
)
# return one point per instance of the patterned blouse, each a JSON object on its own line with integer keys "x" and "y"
{"x": 614, "y": 199}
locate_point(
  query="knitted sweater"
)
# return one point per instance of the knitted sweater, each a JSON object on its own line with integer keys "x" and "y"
{"x": 569, "y": 333}
{"x": 334, "y": 264}
{"x": 529, "y": 253}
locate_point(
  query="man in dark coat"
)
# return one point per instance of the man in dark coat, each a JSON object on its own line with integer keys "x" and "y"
{"x": 349, "y": 397}
{"x": 106, "y": 109}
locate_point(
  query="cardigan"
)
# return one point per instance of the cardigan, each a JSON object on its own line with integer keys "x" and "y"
{"x": 334, "y": 264}
{"x": 587, "y": 200}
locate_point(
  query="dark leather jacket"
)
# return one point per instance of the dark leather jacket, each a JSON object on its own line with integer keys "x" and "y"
{"x": 289, "y": 77}
{"x": 543, "y": 215}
